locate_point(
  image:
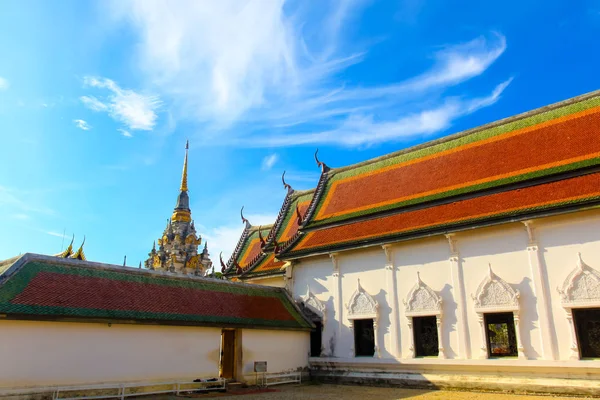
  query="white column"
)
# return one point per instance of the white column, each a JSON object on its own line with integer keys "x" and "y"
{"x": 377, "y": 352}
{"x": 438, "y": 322}
{"x": 484, "y": 350}
{"x": 392, "y": 298}
{"x": 412, "y": 349}
{"x": 288, "y": 277}
{"x": 520, "y": 348}
{"x": 337, "y": 296}
{"x": 458, "y": 288}
{"x": 540, "y": 291}
{"x": 574, "y": 344}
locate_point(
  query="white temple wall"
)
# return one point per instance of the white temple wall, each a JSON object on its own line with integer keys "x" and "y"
{"x": 316, "y": 276}
{"x": 505, "y": 249}
{"x": 368, "y": 266}
{"x": 534, "y": 265}
{"x": 429, "y": 257}
{"x": 560, "y": 239}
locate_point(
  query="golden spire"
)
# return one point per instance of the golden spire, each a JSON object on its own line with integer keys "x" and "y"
{"x": 184, "y": 186}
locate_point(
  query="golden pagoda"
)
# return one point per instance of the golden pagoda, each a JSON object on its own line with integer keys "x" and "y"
{"x": 178, "y": 247}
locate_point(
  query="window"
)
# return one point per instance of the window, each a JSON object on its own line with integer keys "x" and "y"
{"x": 364, "y": 338}
{"x": 316, "y": 337}
{"x": 426, "y": 336}
{"x": 500, "y": 335}
{"x": 587, "y": 326}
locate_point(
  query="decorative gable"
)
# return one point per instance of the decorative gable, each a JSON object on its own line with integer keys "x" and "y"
{"x": 495, "y": 294}
{"x": 422, "y": 300}
{"x": 362, "y": 305}
{"x": 313, "y": 304}
{"x": 582, "y": 286}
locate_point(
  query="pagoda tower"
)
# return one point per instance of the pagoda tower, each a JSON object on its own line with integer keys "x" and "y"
{"x": 178, "y": 247}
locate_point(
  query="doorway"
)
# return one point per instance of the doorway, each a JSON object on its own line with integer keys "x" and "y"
{"x": 364, "y": 338}
{"x": 228, "y": 353}
{"x": 587, "y": 327}
{"x": 425, "y": 336}
{"x": 316, "y": 339}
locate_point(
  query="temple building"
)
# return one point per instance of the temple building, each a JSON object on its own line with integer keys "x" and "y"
{"x": 178, "y": 247}
{"x": 470, "y": 260}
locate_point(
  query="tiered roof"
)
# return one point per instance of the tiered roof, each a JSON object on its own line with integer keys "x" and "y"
{"x": 51, "y": 288}
{"x": 544, "y": 161}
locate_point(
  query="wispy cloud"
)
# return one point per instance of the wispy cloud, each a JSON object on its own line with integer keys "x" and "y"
{"x": 136, "y": 110}
{"x": 51, "y": 233}
{"x": 263, "y": 66}
{"x": 21, "y": 216}
{"x": 125, "y": 133}
{"x": 19, "y": 202}
{"x": 269, "y": 161}
{"x": 81, "y": 124}
{"x": 4, "y": 85}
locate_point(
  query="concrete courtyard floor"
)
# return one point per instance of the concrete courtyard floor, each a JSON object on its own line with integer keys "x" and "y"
{"x": 347, "y": 392}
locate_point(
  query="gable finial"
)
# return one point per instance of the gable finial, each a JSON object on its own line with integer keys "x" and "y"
{"x": 322, "y": 165}
{"x": 223, "y": 267}
{"x": 244, "y": 220}
{"x": 261, "y": 238}
{"x": 285, "y": 184}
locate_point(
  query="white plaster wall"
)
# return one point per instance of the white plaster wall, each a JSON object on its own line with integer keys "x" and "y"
{"x": 368, "y": 266}
{"x": 315, "y": 274}
{"x": 282, "y": 350}
{"x": 560, "y": 239}
{"x": 430, "y": 257}
{"x": 274, "y": 281}
{"x": 505, "y": 247}
{"x": 56, "y": 353}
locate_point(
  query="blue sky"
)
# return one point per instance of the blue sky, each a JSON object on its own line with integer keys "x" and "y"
{"x": 97, "y": 100}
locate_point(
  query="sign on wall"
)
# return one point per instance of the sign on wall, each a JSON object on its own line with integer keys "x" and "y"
{"x": 260, "y": 366}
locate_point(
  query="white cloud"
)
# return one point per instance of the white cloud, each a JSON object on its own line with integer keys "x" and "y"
{"x": 136, "y": 110}
{"x": 269, "y": 161}
{"x": 21, "y": 216}
{"x": 271, "y": 64}
{"x": 81, "y": 124}
{"x": 51, "y": 233}
{"x": 4, "y": 85}
{"x": 362, "y": 130}
{"x": 125, "y": 133}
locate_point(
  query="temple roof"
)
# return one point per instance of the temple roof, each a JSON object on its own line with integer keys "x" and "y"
{"x": 50, "y": 288}
{"x": 542, "y": 161}
{"x": 255, "y": 258}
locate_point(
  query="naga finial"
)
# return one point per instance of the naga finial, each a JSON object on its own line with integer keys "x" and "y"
{"x": 299, "y": 216}
{"x": 285, "y": 185}
{"x": 261, "y": 238}
{"x": 223, "y": 266}
{"x": 244, "y": 220}
{"x": 322, "y": 165}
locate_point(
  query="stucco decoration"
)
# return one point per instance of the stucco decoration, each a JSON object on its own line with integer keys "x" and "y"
{"x": 495, "y": 295}
{"x": 582, "y": 286}
{"x": 314, "y": 304}
{"x": 581, "y": 289}
{"x": 363, "y": 306}
{"x": 422, "y": 301}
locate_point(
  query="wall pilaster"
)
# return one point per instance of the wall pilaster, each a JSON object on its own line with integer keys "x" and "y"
{"x": 541, "y": 292}
{"x": 392, "y": 298}
{"x": 458, "y": 289}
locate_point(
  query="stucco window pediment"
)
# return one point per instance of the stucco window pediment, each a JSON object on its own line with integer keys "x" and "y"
{"x": 494, "y": 294}
{"x": 422, "y": 300}
{"x": 314, "y": 304}
{"x": 362, "y": 305}
{"x": 581, "y": 288}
